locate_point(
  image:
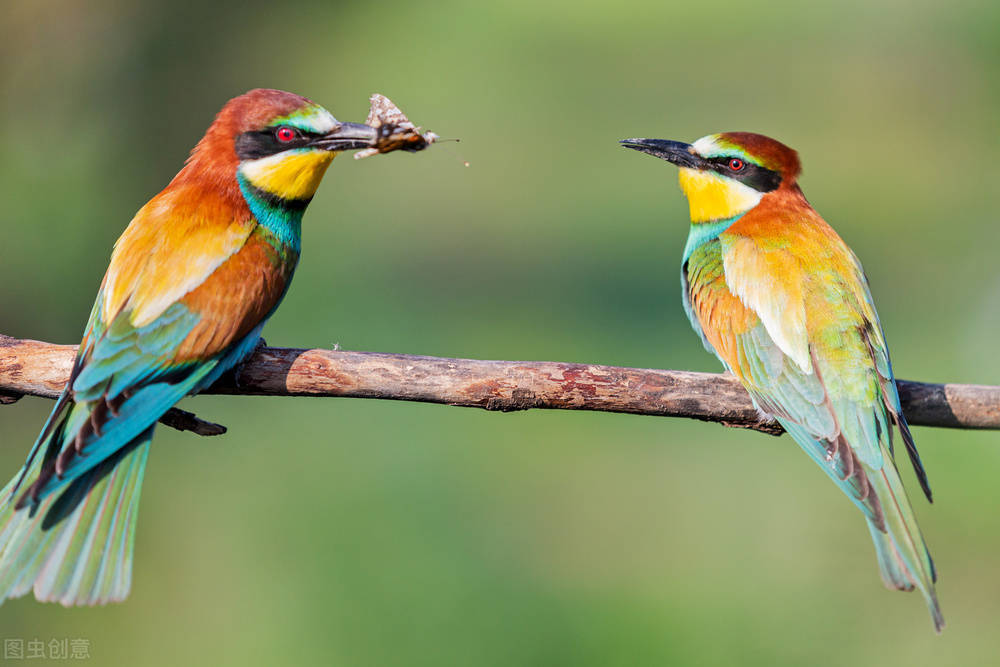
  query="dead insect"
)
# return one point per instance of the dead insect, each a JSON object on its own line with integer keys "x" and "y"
{"x": 395, "y": 131}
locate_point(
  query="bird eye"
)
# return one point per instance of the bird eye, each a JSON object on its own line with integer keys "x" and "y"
{"x": 284, "y": 134}
{"x": 736, "y": 164}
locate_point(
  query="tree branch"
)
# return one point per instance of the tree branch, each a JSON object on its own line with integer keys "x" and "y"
{"x": 41, "y": 369}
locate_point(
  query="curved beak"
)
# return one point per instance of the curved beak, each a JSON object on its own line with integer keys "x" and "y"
{"x": 346, "y": 137}
{"x": 676, "y": 152}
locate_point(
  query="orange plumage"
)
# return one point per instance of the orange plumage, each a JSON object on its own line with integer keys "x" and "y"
{"x": 778, "y": 296}
{"x": 190, "y": 284}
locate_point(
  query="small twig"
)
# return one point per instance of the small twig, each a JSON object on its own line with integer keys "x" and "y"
{"x": 182, "y": 420}
{"x": 41, "y": 369}
{"x": 11, "y": 397}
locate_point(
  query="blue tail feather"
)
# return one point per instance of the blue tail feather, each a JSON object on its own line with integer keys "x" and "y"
{"x": 76, "y": 547}
{"x": 67, "y": 520}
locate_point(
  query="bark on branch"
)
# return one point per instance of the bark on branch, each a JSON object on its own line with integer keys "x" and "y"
{"x": 41, "y": 369}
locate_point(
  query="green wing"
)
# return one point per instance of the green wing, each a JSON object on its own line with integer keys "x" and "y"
{"x": 808, "y": 347}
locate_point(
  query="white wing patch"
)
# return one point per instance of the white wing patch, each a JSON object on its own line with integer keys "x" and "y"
{"x": 779, "y": 304}
{"x": 152, "y": 267}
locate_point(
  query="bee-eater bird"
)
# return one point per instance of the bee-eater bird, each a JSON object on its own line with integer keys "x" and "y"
{"x": 782, "y": 301}
{"x": 191, "y": 282}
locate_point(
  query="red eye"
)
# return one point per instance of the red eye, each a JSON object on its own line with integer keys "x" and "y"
{"x": 285, "y": 134}
{"x": 736, "y": 164}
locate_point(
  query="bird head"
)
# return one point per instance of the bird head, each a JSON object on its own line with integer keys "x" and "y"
{"x": 725, "y": 175}
{"x": 277, "y": 143}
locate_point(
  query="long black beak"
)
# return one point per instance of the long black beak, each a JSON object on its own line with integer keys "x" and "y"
{"x": 347, "y": 137}
{"x": 676, "y": 152}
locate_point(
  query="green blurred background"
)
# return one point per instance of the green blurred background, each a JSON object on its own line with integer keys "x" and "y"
{"x": 354, "y": 532}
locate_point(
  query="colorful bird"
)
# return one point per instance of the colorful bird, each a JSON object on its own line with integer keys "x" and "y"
{"x": 776, "y": 294}
{"x": 192, "y": 281}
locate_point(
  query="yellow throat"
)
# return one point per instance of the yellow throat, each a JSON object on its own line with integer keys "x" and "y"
{"x": 294, "y": 175}
{"x": 712, "y": 196}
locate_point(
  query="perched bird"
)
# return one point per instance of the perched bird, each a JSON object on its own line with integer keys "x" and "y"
{"x": 782, "y": 301}
{"x": 191, "y": 282}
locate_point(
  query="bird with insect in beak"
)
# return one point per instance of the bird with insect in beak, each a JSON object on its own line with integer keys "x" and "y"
{"x": 191, "y": 282}
{"x": 782, "y": 301}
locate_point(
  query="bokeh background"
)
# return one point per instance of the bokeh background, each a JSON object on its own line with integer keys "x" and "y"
{"x": 355, "y": 532}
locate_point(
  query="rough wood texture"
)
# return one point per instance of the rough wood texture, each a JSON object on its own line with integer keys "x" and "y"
{"x": 41, "y": 369}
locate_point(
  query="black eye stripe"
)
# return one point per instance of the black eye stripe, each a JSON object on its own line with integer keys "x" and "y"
{"x": 261, "y": 143}
{"x": 757, "y": 177}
